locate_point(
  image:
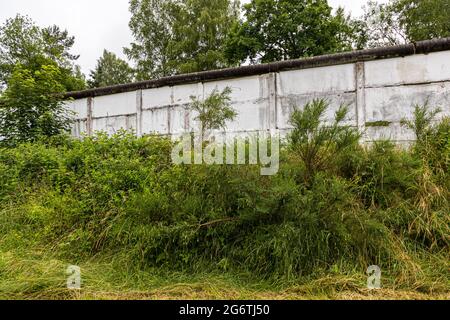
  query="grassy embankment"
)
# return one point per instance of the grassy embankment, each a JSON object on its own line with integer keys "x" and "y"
{"x": 141, "y": 227}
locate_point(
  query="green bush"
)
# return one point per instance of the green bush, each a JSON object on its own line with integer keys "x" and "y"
{"x": 122, "y": 195}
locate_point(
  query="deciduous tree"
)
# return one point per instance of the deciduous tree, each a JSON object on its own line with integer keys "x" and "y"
{"x": 424, "y": 19}
{"x": 23, "y": 42}
{"x": 110, "y": 70}
{"x": 405, "y": 21}
{"x": 274, "y": 30}
{"x": 31, "y": 106}
{"x": 213, "y": 112}
{"x": 179, "y": 36}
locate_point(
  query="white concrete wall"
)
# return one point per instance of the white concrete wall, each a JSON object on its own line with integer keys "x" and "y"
{"x": 377, "y": 91}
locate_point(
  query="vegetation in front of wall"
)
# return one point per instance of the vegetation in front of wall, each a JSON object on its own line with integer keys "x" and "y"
{"x": 378, "y": 124}
{"x": 214, "y": 111}
{"x": 31, "y": 106}
{"x": 141, "y": 227}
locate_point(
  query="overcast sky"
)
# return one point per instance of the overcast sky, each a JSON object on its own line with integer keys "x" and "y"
{"x": 98, "y": 24}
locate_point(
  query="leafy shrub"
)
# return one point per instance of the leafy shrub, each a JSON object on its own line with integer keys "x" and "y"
{"x": 31, "y": 106}
{"x": 432, "y": 140}
{"x": 316, "y": 144}
{"x": 121, "y": 195}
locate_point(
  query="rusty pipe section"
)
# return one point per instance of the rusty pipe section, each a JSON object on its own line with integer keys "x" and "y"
{"x": 422, "y": 47}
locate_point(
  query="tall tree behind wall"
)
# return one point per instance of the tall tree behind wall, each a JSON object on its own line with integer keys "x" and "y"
{"x": 179, "y": 36}
{"x": 425, "y": 19}
{"x": 110, "y": 70}
{"x": 274, "y": 30}
{"x": 404, "y": 21}
{"x": 24, "y": 43}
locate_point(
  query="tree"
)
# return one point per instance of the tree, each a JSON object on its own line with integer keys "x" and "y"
{"x": 24, "y": 43}
{"x": 179, "y": 36}
{"x": 382, "y": 25}
{"x": 432, "y": 138}
{"x": 200, "y": 28}
{"x": 424, "y": 19}
{"x": 317, "y": 145}
{"x": 150, "y": 26}
{"x": 214, "y": 111}
{"x": 110, "y": 70}
{"x": 31, "y": 105}
{"x": 405, "y": 21}
{"x": 276, "y": 30}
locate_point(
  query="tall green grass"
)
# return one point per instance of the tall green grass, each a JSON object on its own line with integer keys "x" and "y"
{"x": 334, "y": 208}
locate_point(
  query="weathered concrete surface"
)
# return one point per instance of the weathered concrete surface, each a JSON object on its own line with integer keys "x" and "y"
{"x": 381, "y": 91}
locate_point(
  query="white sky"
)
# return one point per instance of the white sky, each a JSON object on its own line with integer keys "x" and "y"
{"x": 98, "y": 24}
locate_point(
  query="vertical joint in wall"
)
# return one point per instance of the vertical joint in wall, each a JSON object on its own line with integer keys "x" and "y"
{"x": 139, "y": 131}
{"x": 169, "y": 111}
{"x": 361, "y": 98}
{"x": 89, "y": 127}
{"x": 272, "y": 92}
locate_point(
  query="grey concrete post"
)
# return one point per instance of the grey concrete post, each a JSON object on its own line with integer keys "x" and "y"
{"x": 272, "y": 92}
{"x": 139, "y": 130}
{"x": 89, "y": 125}
{"x": 360, "y": 97}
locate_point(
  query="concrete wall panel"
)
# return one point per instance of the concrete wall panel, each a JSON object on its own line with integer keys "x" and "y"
{"x": 296, "y": 102}
{"x": 79, "y": 107}
{"x": 379, "y": 94}
{"x": 155, "y": 121}
{"x": 412, "y": 69}
{"x": 114, "y": 105}
{"x": 156, "y": 98}
{"x": 112, "y": 125}
{"x": 317, "y": 80}
{"x": 392, "y": 104}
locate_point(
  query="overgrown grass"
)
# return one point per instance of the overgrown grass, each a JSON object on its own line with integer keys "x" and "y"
{"x": 141, "y": 227}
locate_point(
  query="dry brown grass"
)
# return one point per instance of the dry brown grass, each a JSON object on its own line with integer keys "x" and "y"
{"x": 194, "y": 293}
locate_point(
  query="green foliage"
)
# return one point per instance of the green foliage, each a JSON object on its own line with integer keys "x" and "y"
{"x": 150, "y": 27}
{"x": 382, "y": 25}
{"x": 179, "y": 36}
{"x": 121, "y": 196}
{"x": 276, "y": 30}
{"x": 110, "y": 70}
{"x": 421, "y": 124}
{"x": 24, "y": 43}
{"x": 199, "y": 31}
{"x": 183, "y": 36}
{"x": 31, "y": 105}
{"x": 214, "y": 111}
{"x": 36, "y": 67}
{"x": 401, "y": 21}
{"x": 439, "y": 146}
{"x": 433, "y": 139}
{"x": 378, "y": 124}
{"x": 386, "y": 176}
{"x": 318, "y": 145}
{"x": 424, "y": 19}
